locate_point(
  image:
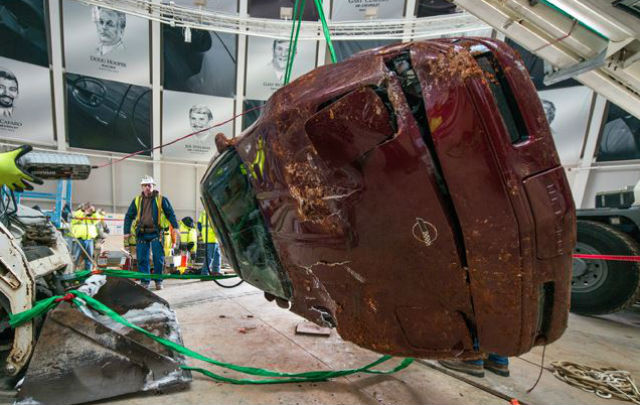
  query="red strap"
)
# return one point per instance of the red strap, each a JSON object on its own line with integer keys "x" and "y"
{"x": 514, "y": 401}
{"x": 608, "y": 257}
{"x": 101, "y": 219}
{"x": 67, "y": 297}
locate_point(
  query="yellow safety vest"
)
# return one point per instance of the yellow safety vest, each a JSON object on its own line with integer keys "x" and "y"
{"x": 188, "y": 235}
{"x": 208, "y": 233}
{"x": 83, "y": 226}
{"x": 167, "y": 242}
{"x": 162, "y": 219}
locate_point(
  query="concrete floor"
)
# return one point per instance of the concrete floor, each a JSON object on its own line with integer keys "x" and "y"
{"x": 239, "y": 326}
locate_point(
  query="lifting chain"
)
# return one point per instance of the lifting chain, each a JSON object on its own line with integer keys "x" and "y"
{"x": 604, "y": 382}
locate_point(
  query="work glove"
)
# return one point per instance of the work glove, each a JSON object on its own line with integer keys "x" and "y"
{"x": 12, "y": 174}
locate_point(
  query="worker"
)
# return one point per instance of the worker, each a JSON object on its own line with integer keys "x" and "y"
{"x": 495, "y": 363}
{"x": 84, "y": 230}
{"x": 211, "y": 263}
{"x": 168, "y": 241}
{"x": 188, "y": 236}
{"x": 144, "y": 219}
{"x": 103, "y": 230}
{"x": 76, "y": 252}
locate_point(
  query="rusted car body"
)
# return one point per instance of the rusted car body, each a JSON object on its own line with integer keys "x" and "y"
{"x": 410, "y": 196}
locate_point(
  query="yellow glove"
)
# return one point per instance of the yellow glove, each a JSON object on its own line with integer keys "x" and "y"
{"x": 12, "y": 174}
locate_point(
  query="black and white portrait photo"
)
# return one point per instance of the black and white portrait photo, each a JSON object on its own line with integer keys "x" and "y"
{"x": 8, "y": 92}
{"x": 279, "y": 56}
{"x": 549, "y": 110}
{"x": 105, "y": 43}
{"x": 187, "y": 113}
{"x": 200, "y": 118}
{"x": 107, "y": 115}
{"x": 267, "y": 62}
{"x": 25, "y": 102}
{"x": 110, "y": 26}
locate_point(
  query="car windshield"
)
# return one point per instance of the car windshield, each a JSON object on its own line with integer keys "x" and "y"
{"x": 232, "y": 204}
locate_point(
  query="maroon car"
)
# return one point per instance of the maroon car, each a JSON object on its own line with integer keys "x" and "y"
{"x": 411, "y": 197}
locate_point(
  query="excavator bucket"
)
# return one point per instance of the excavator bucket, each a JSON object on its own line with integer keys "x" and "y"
{"x": 83, "y": 356}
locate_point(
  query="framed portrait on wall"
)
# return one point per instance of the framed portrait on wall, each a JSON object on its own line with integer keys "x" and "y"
{"x": 267, "y": 61}
{"x": 105, "y": 43}
{"x": 25, "y": 102}
{"x": 187, "y": 113}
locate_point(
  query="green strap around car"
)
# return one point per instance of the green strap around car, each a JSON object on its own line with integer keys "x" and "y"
{"x": 81, "y": 299}
{"x": 80, "y": 275}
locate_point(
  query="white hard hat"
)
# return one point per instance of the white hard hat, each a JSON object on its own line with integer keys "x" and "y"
{"x": 147, "y": 180}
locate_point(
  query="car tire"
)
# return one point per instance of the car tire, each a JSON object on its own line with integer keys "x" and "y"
{"x": 599, "y": 286}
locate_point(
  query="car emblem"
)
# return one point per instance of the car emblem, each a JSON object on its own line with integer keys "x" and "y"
{"x": 424, "y": 232}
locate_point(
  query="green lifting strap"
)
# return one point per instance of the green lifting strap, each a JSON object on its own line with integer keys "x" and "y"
{"x": 298, "y": 10}
{"x": 325, "y": 30}
{"x": 79, "y": 299}
{"x": 79, "y": 275}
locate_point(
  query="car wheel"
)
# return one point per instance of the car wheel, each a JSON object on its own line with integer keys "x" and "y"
{"x": 603, "y": 286}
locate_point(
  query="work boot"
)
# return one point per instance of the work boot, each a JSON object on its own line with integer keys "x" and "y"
{"x": 159, "y": 286}
{"x": 471, "y": 367}
{"x": 497, "y": 367}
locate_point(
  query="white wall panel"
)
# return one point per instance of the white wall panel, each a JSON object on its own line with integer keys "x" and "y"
{"x": 97, "y": 188}
{"x": 178, "y": 185}
{"x": 127, "y": 180}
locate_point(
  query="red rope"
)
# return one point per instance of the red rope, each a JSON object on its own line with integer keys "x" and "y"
{"x": 67, "y": 297}
{"x": 562, "y": 38}
{"x": 101, "y": 219}
{"x": 130, "y": 155}
{"x": 620, "y": 258}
